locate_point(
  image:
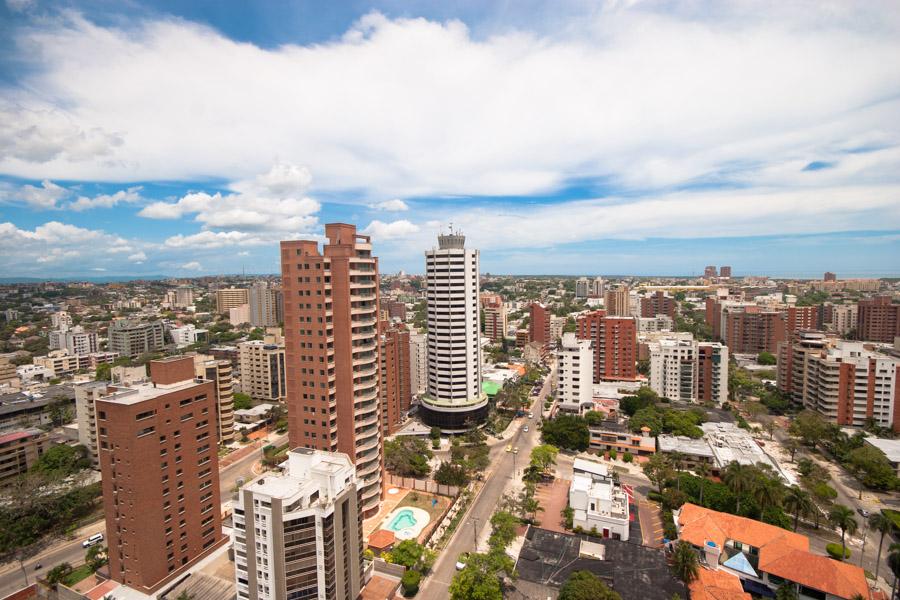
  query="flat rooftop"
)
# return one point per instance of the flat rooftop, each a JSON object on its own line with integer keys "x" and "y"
{"x": 685, "y": 445}
{"x": 891, "y": 448}
{"x": 141, "y": 392}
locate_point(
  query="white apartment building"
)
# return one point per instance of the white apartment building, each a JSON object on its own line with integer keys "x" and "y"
{"x": 86, "y": 417}
{"x": 557, "y": 324}
{"x": 61, "y": 320}
{"x": 220, "y": 373}
{"x": 63, "y": 363}
{"x": 582, "y": 287}
{"x": 228, "y": 298}
{"x": 655, "y": 324}
{"x": 673, "y": 369}
{"x": 454, "y": 400}
{"x": 844, "y": 318}
{"x": 597, "y": 287}
{"x": 418, "y": 363}
{"x": 187, "y": 335}
{"x": 262, "y": 368}
{"x": 574, "y": 374}
{"x": 184, "y": 296}
{"x": 239, "y": 314}
{"x": 264, "y": 305}
{"x": 599, "y": 504}
{"x": 76, "y": 340}
{"x": 297, "y": 534}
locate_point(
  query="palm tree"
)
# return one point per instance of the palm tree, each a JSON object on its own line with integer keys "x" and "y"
{"x": 767, "y": 492}
{"x": 841, "y": 517}
{"x": 702, "y": 471}
{"x": 685, "y": 562}
{"x": 894, "y": 562}
{"x": 880, "y": 523}
{"x": 676, "y": 459}
{"x": 798, "y": 502}
{"x": 741, "y": 479}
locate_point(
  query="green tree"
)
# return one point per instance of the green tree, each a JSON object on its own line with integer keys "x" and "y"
{"x": 798, "y": 502}
{"x": 58, "y": 573}
{"x": 567, "y": 431}
{"x": 894, "y": 563}
{"x": 685, "y": 563}
{"x": 787, "y": 591}
{"x": 450, "y": 474}
{"x": 503, "y": 530}
{"x": 841, "y": 516}
{"x": 242, "y": 401}
{"x": 741, "y": 479}
{"x": 584, "y": 585}
{"x": 410, "y": 582}
{"x": 544, "y": 456}
{"x": 103, "y": 372}
{"x": 96, "y": 557}
{"x": 407, "y": 456}
{"x": 809, "y": 427}
{"x": 883, "y": 525}
{"x": 791, "y": 445}
{"x": 62, "y": 461}
{"x": 407, "y": 553}
{"x": 658, "y": 470}
{"x": 702, "y": 471}
{"x": 871, "y": 467}
{"x": 480, "y": 579}
{"x": 766, "y": 358}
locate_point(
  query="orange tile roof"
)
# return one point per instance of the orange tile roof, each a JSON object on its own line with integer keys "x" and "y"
{"x": 699, "y": 525}
{"x": 819, "y": 572}
{"x": 781, "y": 552}
{"x": 717, "y": 585}
{"x": 381, "y": 539}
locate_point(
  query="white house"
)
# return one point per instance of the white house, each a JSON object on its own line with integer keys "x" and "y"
{"x": 600, "y": 505}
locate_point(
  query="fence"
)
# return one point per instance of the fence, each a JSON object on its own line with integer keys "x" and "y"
{"x": 422, "y": 485}
{"x": 386, "y": 568}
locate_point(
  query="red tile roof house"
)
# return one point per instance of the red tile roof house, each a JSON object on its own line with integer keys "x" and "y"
{"x": 763, "y": 557}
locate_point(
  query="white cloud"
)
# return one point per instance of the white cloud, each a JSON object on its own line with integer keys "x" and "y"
{"x": 192, "y": 266}
{"x": 128, "y": 196}
{"x": 44, "y": 197}
{"x": 210, "y": 239}
{"x": 137, "y": 257}
{"x": 20, "y": 5}
{"x": 616, "y": 94}
{"x": 380, "y": 230}
{"x": 394, "y": 205}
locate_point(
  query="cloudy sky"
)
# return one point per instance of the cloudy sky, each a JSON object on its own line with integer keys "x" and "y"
{"x": 187, "y": 138}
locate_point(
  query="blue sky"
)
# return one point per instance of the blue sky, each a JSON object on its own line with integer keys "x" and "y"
{"x": 566, "y": 137}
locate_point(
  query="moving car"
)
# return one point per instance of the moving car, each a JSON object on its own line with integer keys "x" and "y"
{"x": 92, "y": 541}
{"x": 509, "y": 448}
{"x": 526, "y": 429}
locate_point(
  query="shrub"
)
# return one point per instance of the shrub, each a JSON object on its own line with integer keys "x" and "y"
{"x": 368, "y": 554}
{"x": 410, "y": 583}
{"x": 628, "y": 457}
{"x": 834, "y": 551}
{"x": 613, "y": 455}
{"x": 654, "y": 496}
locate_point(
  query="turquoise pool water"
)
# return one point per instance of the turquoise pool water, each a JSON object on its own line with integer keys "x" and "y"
{"x": 402, "y": 520}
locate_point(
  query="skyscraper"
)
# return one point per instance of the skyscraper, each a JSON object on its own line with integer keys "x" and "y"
{"x": 265, "y": 305}
{"x": 454, "y": 400}
{"x": 539, "y": 324}
{"x": 298, "y": 534}
{"x": 618, "y": 302}
{"x": 615, "y": 344}
{"x": 395, "y": 389}
{"x": 228, "y": 298}
{"x": 582, "y": 287}
{"x": 331, "y": 351}
{"x": 157, "y": 446}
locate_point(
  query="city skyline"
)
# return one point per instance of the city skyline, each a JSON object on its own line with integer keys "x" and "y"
{"x": 776, "y": 155}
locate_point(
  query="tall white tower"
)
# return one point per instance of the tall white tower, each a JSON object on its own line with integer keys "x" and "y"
{"x": 453, "y": 400}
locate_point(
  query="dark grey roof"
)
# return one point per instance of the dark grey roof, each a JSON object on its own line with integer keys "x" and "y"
{"x": 636, "y": 572}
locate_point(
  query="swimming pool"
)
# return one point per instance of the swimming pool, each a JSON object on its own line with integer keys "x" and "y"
{"x": 404, "y": 519}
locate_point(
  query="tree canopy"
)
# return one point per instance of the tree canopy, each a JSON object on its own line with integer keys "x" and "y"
{"x": 584, "y": 585}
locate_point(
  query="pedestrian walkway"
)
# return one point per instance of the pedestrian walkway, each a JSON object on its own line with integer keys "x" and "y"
{"x": 651, "y": 524}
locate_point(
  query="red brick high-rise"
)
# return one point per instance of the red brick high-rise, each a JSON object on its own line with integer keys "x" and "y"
{"x": 160, "y": 471}
{"x": 396, "y": 388}
{"x": 615, "y": 344}
{"x": 753, "y": 329}
{"x": 801, "y": 318}
{"x": 725, "y": 271}
{"x": 331, "y": 351}
{"x": 879, "y": 320}
{"x": 539, "y": 325}
{"x": 829, "y": 276}
{"x": 658, "y": 304}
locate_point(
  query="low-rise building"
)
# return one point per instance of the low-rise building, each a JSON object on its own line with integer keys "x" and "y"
{"x": 600, "y": 505}
{"x": 262, "y": 368}
{"x": 130, "y": 338}
{"x": 764, "y": 557}
{"x": 19, "y": 450}
{"x": 613, "y": 435}
{"x": 187, "y": 335}
{"x": 891, "y": 449}
{"x": 62, "y": 363}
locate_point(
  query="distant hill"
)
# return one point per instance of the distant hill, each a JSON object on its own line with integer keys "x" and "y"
{"x": 92, "y": 279}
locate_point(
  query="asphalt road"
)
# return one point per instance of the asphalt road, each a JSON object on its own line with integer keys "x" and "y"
{"x": 505, "y": 467}
{"x": 12, "y": 577}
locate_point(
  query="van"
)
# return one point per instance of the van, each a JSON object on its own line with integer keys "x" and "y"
{"x": 93, "y": 540}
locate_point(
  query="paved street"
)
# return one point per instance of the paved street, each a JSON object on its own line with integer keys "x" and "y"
{"x": 505, "y": 469}
{"x": 12, "y": 577}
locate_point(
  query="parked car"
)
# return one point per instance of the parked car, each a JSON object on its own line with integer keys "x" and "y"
{"x": 92, "y": 541}
{"x": 509, "y": 448}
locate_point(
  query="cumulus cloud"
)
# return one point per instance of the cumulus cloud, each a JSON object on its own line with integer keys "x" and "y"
{"x": 128, "y": 196}
{"x": 615, "y": 94}
{"x": 380, "y": 230}
{"x": 137, "y": 257}
{"x": 394, "y": 205}
{"x": 210, "y": 239}
{"x": 44, "y": 197}
{"x": 192, "y": 266}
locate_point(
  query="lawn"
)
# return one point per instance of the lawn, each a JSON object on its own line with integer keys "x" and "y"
{"x": 77, "y": 575}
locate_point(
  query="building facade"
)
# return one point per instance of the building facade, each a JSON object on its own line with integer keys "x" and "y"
{"x": 574, "y": 374}
{"x": 263, "y": 369}
{"x": 712, "y": 372}
{"x": 879, "y": 320}
{"x": 418, "y": 359}
{"x": 396, "y": 377}
{"x": 265, "y": 305}
{"x": 220, "y": 373}
{"x": 539, "y": 324}
{"x": 130, "y": 338}
{"x": 86, "y": 395}
{"x": 75, "y": 339}
{"x": 673, "y": 369}
{"x": 228, "y": 298}
{"x": 19, "y": 450}
{"x": 495, "y": 321}
{"x": 617, "y": 302}
{"x": 614, "y": 342}
{"x": 582, "y": 287}
{"x": 160, "y": 475}
{"x": 331, "y": 351}
{"x": 298, "y": 534}
{"x": 658, "y": 303}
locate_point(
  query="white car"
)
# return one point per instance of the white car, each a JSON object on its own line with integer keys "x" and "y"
{"x": 526, "y": 429}
{"x": 92, "y": 541}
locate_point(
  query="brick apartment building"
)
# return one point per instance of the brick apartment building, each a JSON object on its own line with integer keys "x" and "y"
{"x": 539, "y": 324}
{"x": 879, "y": 319}
{"x": 615, "y": 344}
{"x": 331, "y": 351}
{"x": 658, "y": 304}
{"x": 395, "y": 390}
{"x": 158, "y": 459}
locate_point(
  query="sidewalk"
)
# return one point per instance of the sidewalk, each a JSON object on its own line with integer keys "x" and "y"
{"x": 98, "y": 526}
